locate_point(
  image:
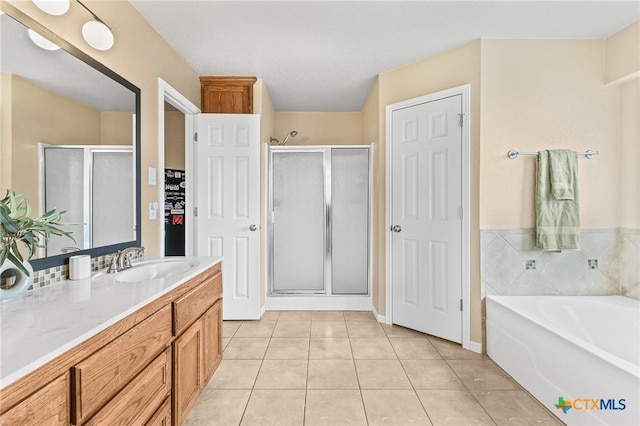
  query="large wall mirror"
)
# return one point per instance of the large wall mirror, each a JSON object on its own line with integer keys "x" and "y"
{"x": 69, "y": 140}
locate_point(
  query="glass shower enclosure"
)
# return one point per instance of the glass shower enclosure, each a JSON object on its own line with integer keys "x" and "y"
{"x": 318, "y": 216}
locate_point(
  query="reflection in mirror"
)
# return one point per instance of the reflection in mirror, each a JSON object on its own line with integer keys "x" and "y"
{"x": 68, "y": 141}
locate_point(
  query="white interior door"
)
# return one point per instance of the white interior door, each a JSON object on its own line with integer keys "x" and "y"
{"x": 426, "y": 217}
{"x": 228, "y": 200}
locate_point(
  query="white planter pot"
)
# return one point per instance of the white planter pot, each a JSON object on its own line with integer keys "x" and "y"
{"x": 15, "y": 289}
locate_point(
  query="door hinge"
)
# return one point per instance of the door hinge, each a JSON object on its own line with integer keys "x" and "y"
{"x": 460, "y": 304}
{"x": 195, "y": 211}
{"x": 195, "y": 137}
{"x": 461, "y": 119}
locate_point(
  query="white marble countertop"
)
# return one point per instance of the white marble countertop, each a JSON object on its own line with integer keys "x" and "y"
{"x": 49, "y": 321}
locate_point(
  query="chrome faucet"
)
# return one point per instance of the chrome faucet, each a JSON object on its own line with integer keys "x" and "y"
{"x": 123, "y": 257}
{"x": 120, "y": 261}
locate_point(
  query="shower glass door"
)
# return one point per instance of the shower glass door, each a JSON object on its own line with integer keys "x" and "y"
{"x": 298, "y": 220}
{"x": 319, "y": 207}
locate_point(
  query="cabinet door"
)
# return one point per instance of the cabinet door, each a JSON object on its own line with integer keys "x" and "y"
{"x": 212, "y": 333}
{"x": 48, "y": 406}
{"x": 187, "y": 371}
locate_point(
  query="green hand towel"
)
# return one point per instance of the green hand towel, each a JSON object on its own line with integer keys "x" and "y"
{"x": 557, "y": 220}
{"x": 562, "y": 166}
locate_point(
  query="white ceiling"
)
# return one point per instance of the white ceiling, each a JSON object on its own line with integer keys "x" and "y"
{"x": 325, "y": 55}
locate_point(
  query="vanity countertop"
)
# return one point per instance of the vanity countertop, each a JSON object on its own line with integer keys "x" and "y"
{"x": 50, "y": 320}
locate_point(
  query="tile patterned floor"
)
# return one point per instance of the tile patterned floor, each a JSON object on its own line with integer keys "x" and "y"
{"x": 344, "y": 368}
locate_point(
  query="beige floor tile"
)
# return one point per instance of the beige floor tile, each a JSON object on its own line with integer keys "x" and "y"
{"x": 328, "y": 329}
{"x": 482, "y": 375}
{"x": 330, "y": 348}
{"x": 513, "y": 407}
{"x": 270, "y": 316}
{"x": 451, "y": 350}
{"x": 292, "y": 329}
{"x": 246, "y": 348}
{"x": 218, "y": 407}
{"x": 275, "y": 407}
{"x": 414, "y": 348}
{"x": 255, "y": 329}
{"x": 398, "y": 331}
{"x": 364, "y": 329}
{"x": 359, "y": 316}
{"x": 235, "y": 374}
{"x": 334, "y": 408}
{"x": 294, "y": 316}
{"x": 225, "y": 342}
{"x": 393, "y": 408}
{"x": 372, "y": 348}
{"x": 282, "y": 374}
{"x": 332, "y": 374}
{"x": 381, "y": 374}
{"x": 431, "y": 374}
{"x": 327, "y": 316}
{"x": 453, "y": 408}
{"x": 288, "y": 348}
{"x": 229, "y": 328}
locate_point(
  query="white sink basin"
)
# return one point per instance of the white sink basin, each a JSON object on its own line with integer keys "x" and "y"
{"x": 153, "y": 270}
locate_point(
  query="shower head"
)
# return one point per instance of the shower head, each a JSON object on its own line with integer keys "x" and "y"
{"x": 292, "y": 134}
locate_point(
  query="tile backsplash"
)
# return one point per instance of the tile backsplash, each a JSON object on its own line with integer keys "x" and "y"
{"x": 607, "y": 263}
{"x": 55, "y": 274}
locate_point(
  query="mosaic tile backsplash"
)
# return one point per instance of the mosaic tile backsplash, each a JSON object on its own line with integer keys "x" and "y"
{"x": 608, "y": 263}
{"x": 49, "y": 276}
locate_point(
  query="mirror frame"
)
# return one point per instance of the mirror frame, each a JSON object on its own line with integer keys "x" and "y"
{"x": 61, "y": 259}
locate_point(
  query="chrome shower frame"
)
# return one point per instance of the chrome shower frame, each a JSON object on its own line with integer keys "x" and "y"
{"x": 326, "y": 150}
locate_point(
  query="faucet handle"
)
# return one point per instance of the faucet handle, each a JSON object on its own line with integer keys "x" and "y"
{"x": 113, "y": 264}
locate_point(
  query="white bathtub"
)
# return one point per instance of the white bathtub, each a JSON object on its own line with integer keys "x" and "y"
{"x": 581, "y": 348}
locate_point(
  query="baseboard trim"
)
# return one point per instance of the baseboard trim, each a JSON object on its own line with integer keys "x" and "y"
{"x": 318, "y": 303}
{"x": 474, "y": 347}
{"x": 380, "y": 318}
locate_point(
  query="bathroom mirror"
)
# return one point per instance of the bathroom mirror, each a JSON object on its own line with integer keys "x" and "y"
{"x": 68, "y": 140}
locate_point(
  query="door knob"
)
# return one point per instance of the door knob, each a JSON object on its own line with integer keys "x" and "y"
{"x": 396, "y": 228}
{"x": 253, "y": 228}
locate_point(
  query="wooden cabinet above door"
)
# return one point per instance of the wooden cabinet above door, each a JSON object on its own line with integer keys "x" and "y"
{"x": 230, "y": 95}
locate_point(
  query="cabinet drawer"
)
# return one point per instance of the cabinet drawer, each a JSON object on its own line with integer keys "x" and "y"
{"x": 48, "y": 406}
{"x": 162, "y": 416}
{"x": 104, "y": 373}
{"x": 190, "y": 306}
{"x": 137, "y": 402}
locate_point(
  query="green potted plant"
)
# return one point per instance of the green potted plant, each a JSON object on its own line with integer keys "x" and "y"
{"x": 18, "y": 231}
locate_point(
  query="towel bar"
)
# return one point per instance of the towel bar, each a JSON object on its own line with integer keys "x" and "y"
{"x": 514, "y": 154}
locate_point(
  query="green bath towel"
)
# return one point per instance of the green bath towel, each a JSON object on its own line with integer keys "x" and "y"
{"x": 557, "y": 211}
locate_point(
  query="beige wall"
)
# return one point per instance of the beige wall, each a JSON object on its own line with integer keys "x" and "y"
{"x": 116, "y": 128}
{"x": 5, "y": 132}
{"x": 54, "y": 120}
{"x": 370, "y": 135}
{"x": 629, "y": 169}
{"x": 542, "y": 94}
{"x": 262, "y": 105}
{"x": 319, "y": 128}
{"x": 140, "y": 55}
{"x": 174, "y": 147}
{"x": 450, "y": 69}
{"x": 623, "y": 53}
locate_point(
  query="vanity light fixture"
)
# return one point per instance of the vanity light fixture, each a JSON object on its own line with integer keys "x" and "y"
{"x": 53, "y": 7}
{"x": 96, "y": 33}
{"x": 41, "y": 42}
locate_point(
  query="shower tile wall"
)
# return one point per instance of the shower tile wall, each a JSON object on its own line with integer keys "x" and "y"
{"x": 512, "y": 265}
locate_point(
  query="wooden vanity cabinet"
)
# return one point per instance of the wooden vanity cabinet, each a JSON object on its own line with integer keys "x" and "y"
{"x": 197, "y": 350}
{"x": 230, "y": 95}
{"x": 146, "y": 369}
{"x": 48, "y": 406}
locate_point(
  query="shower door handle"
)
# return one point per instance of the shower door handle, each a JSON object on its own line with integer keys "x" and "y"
{"x": 253, "y": 228}
{"x": 396, "y": 228}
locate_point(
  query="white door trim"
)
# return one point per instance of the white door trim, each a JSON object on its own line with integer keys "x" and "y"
{"x": 465, "y": 92}
{"x": 167, "y": 93}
